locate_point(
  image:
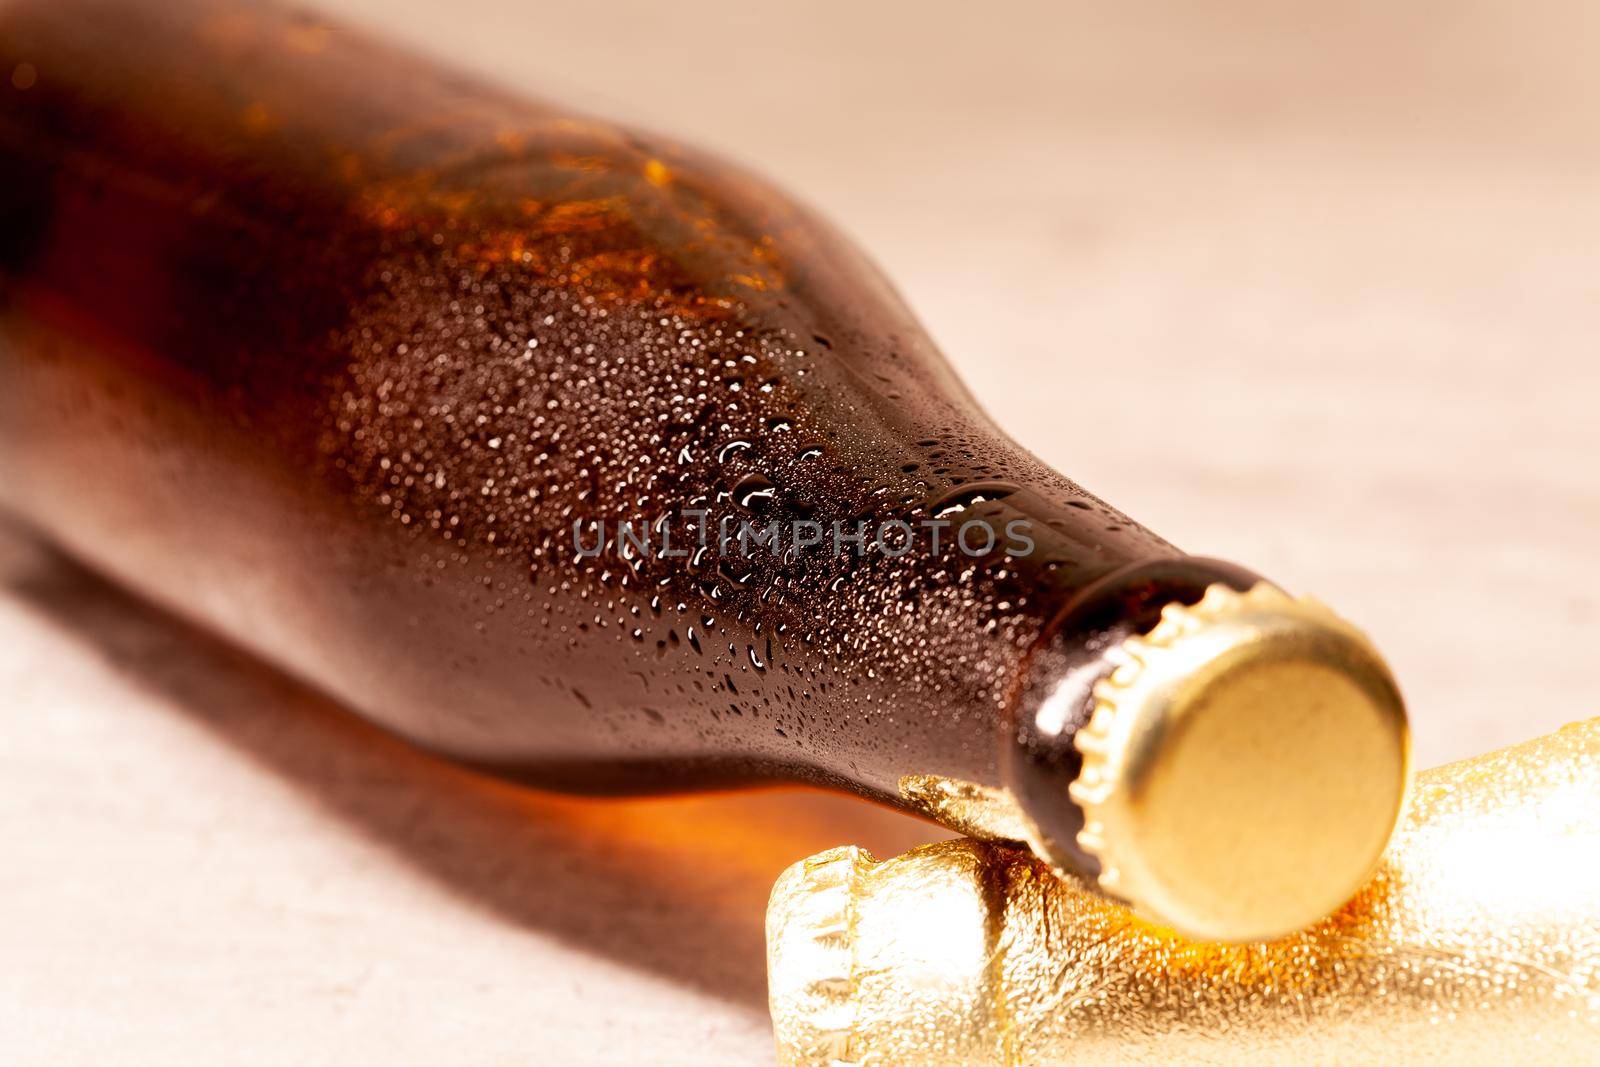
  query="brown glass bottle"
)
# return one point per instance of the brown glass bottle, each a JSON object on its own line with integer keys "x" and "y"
{"x": 349, "y": 357}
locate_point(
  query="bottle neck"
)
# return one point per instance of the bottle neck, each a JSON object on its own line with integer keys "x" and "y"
{"x": 1054, "y": 695}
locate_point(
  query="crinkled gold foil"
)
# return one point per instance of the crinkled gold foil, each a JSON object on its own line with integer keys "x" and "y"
{"x": 967, "y": 808}
{"x": 1477, "y": 942}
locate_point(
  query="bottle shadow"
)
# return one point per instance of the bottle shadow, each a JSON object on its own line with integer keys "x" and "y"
{"x": 674, "y": 885}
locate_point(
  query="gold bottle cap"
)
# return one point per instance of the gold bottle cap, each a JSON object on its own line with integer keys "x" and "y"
{"x": 1245, "y": 764}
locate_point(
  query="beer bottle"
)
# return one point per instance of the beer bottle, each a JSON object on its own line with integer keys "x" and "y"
{"x": 585, "y": 458}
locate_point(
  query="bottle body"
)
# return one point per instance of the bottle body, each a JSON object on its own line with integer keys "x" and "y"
{"x": 481, "y": 415}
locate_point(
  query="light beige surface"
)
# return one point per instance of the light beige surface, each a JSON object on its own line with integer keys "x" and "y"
{"x": 1315, "y": 287}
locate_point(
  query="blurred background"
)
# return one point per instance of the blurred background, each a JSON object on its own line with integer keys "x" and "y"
{"x": 1315, "y": 287}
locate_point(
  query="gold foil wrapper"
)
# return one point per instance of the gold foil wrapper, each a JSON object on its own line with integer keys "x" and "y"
{"x": 1477, "y": 942}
